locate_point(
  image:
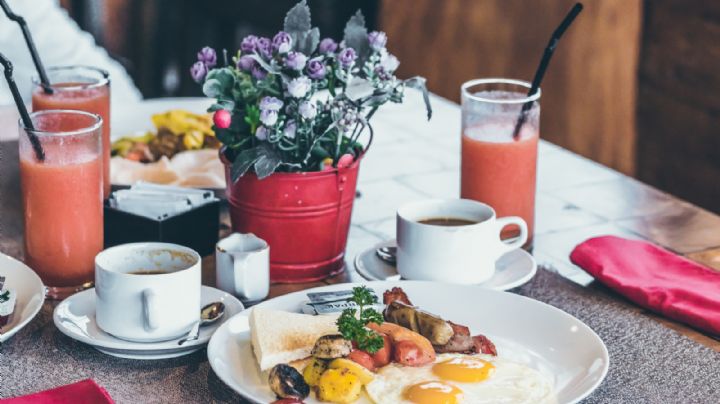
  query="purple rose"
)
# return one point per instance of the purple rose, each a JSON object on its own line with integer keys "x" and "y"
{"x": 208, "y": 56}
{"x": 307, "y": 109}
{"x": 327, "y": 45}
{"x": 268, "y": 103}
{"x": 264, "y": 47}
{"x": 198, "y": 71}
{"x": 347, "y": 57}
{"x": 316, "y": 69}
{"x": 282, "y": 42}
{"x": 295, "y": 61}
{"x": 268, "y": 117}
{"x": 258, "y": 72}
{"x": 246, "y": 63}
{"x": 377, "y": 40}
{"x": 249, "y": 44}
{"x": 261, "y": 133}
{"x": 299, "y": 87}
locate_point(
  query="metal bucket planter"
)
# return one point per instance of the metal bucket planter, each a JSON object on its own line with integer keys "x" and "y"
{"x": 304, "y": 217}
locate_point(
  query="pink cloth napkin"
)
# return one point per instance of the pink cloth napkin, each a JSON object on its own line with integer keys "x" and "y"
{"x": 654, "y": 278}
{"x": 82, "y": 392}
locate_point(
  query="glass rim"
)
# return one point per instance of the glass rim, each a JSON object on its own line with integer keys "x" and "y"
{"x": 101, "y": 82}
{"x": 97, "y": 124}
{"x": 465, "y": 89}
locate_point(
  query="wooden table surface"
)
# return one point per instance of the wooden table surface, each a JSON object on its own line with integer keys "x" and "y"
{"x": 413, "y": 159}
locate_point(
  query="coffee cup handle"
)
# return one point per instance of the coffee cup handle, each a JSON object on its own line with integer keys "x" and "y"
{"x": 517, "y": 243}
{"x": 149, "y": 299}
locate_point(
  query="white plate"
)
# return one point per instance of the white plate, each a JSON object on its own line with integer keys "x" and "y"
{"x": 75, "y": 317}
{"x": 512, "y": 269}
{"x": 30, "y": 294}
{"x": 132, "y": 118}
{"x": 524, "y": 330}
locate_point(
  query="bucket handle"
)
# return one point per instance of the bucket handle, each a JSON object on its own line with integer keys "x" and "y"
{"x": 370, "y": 140}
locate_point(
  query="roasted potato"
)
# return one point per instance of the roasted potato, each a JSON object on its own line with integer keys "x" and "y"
{"x": 314, "y": 370}
{"x": 339, "y": 386}
{"x": 357, "y": 369}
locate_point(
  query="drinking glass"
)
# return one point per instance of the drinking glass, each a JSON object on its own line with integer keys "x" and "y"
{"x": 62, "y": 198}
{"x": 81, "y": 88}
{"x": 497, "y": 168}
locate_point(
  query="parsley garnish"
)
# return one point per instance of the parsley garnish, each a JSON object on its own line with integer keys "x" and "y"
{"x": 352, "y": 324}
{"x": 5, "y": 296}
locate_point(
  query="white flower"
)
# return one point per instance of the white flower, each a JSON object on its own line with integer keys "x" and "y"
{"x": 307, "y": 110}
{"x": 388, "y": 61}
{"x": 268, "y": 117}
{"x": 299, "y": 87}
{"x": 290, "y": 129}
{"x": 261, "y": 133}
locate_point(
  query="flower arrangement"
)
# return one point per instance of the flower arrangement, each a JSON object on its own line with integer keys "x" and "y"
{"x": 295, "y": 103}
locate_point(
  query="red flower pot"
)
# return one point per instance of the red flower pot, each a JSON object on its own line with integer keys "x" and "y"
{"x": 304, "y": 217}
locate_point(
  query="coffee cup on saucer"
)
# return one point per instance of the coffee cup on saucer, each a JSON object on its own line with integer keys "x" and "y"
{"x": 147, "y": 292}
{"x": 452, "y": 240}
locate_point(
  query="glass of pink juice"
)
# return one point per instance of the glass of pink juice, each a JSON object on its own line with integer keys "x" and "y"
{"x": 79, "y": 88}
{"x": 63, "y": 198}
{"x": 498, "y": 168}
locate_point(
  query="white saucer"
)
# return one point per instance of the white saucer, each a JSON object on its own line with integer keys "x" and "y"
{"x": 512, "y": 269}
{"x": 75, "y": 317}
{"x": 30, "y": 294}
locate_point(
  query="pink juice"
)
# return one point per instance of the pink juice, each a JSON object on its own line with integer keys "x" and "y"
{"x": 62, "y": 201}
{"x": 82, "y": 89}
{"x": 499, "y": 170}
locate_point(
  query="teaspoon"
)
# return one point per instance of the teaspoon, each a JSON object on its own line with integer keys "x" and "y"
{"x": 208, "y": 315}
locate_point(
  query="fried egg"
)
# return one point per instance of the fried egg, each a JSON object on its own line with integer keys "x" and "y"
{"x": 457, "y": 378}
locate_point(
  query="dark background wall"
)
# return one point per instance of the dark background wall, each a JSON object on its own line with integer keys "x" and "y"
{"x": 633, "y": 85}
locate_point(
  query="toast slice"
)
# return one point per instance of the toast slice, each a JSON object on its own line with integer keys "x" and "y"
{"x": 284, "y": 337}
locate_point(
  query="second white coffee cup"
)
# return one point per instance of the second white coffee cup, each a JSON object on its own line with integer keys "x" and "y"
{"x": 147, "y": 292}
{"x": 461, "y": 247}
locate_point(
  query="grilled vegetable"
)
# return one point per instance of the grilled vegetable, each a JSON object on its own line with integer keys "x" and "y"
{"x": 285, "y": 381}
{"x": 430, "y": 326}
{"x": 314, "y": 370}
{"x": 331, "y": 347}
{"x": 339, "y": 386}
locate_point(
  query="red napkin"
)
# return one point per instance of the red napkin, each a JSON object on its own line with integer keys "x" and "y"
{"x": 654, "y": 278}
{"x": 82, "y": 392}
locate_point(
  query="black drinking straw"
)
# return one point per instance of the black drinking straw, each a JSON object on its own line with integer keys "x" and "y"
{"x": 44, "y": 81}
{"x": 39, "y": 152}
{"x": 544, "y": 62}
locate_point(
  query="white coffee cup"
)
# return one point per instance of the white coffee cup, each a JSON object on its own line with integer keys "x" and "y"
{"x": 137, "y": 304}
{"x": 242, "y": 266}
{"x": 455, "y": 254}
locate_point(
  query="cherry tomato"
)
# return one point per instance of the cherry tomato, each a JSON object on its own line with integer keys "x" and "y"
{"x": 362, "y": 358}
{"x": 384, "y": 355}
{"x": 408, "y": 353}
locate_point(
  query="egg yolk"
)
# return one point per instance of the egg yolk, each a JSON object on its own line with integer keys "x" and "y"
{"x": 433, "y": 392}
{"x": 465, "y": 370}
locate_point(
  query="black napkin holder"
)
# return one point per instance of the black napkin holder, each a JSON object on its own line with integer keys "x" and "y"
{"x": 196, "y": 228}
